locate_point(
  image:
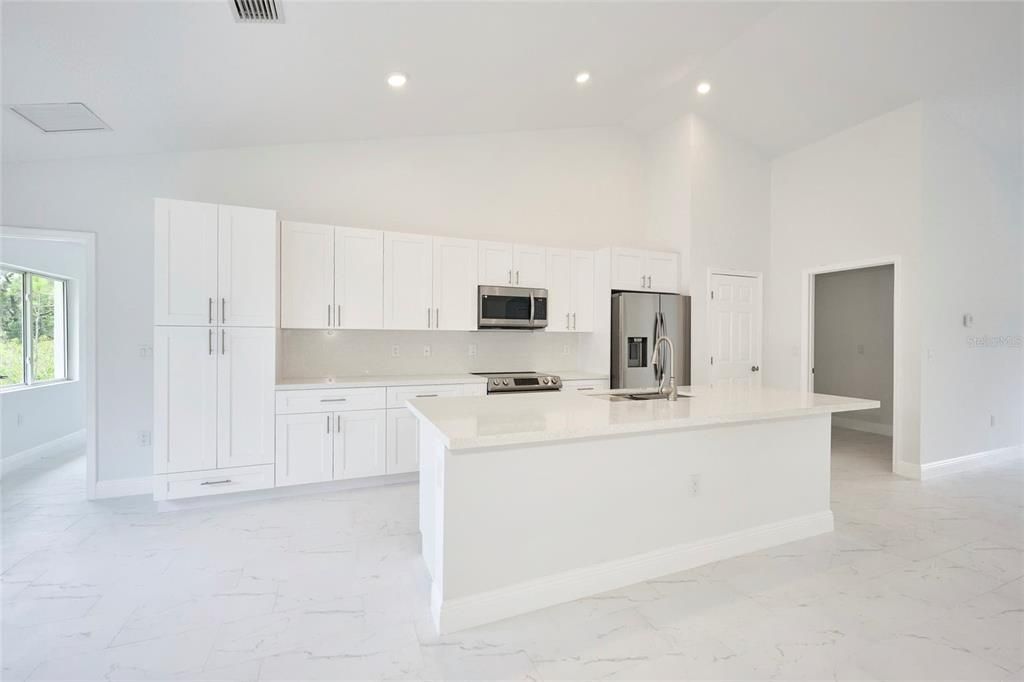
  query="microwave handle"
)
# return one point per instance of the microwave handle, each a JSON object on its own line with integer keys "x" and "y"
{"x": 531, "y": 308}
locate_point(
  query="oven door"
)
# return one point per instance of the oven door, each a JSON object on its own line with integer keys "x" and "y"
{"x": 511, "y": 308}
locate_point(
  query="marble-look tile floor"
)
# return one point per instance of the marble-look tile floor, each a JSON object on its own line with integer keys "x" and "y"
{"x": 920, "y": 580}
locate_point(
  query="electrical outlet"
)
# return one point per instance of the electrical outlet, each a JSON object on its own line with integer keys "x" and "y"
{"x": 472, "y": 350}
{"x": 145, "y": 351}
{"x": 144, "y": 439}
{"x": 21, "y": 419}
{"x": 395, "y": 351}
{"x": 694, "y": 485}
{"x": 991, "y": 420}
{"x": 426, "y": 351}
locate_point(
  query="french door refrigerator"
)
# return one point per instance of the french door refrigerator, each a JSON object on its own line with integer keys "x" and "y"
{"x": 638, "y": 319}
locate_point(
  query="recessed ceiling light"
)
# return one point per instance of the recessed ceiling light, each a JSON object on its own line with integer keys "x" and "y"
{"x": 703, "y": 88}
{"x": 60, "y": 117}
{"x": 582, "y": 77}
{"x": 397, "y": 80}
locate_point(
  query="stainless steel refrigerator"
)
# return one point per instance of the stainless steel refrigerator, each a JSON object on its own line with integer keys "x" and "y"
{"x": 637, "y": 321}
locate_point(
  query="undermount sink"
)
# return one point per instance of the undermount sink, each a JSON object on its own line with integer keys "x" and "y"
{"x": 655, "y": 395}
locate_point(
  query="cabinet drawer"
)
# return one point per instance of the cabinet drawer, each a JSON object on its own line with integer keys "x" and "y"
{"x": 585, "y": 386}
{"x": 213, "y": 482}
{"x": 397, "y": 395}
{"x": 330, "y": 400}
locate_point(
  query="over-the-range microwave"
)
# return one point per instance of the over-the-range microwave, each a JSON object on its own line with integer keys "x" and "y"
{"x": 512, "y": 308}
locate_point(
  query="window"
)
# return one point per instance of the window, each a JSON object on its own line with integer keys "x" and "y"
{"x": 33, "y": 328}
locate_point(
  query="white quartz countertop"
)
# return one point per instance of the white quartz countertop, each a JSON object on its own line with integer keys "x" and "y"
{"x": 575, "y": 375}
{"x": 362, "y": 380}
{"x": 466, "y": 423}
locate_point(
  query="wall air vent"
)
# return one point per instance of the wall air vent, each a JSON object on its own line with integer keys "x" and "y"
{"x": 257, "y": 11}
{"x": 60, "y": 117}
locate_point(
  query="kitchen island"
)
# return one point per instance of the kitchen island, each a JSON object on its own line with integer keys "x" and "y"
{"x": 535, "y": 499}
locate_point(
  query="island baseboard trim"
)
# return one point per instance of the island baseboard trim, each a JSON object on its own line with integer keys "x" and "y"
{"x": 487, "y": 607}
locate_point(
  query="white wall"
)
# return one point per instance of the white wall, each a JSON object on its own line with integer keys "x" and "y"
{"x": 853, "y": 336}
{"x": 35, "y": 416}
{"x": 572, "y": 187}
{"x": 972, "y": 394}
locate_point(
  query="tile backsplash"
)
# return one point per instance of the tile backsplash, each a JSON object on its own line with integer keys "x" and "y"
{"x": 311, "y": 354}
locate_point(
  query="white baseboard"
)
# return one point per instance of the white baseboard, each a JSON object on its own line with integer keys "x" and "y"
{"x": 33, "y": 454}
{"x": 124, "y": 487}
{"x": 862, "y": 425}
{"x": 955, "y": 465}
{"x": 469, "y": 611}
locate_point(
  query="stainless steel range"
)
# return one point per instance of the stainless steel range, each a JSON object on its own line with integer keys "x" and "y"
{"x": 513, "y": 382}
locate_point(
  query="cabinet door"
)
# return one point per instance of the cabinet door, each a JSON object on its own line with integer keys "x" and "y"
{"x": 305, "y": 448}
{"x": 496, "y": 264}
{"x": 583, "y": 291}
{"x": 530, "y": 266}
{"x": 408, "y": 281}
{"x": 358, "y": 278}
{"x": 245, "y": 396}
{"x": 307, "y": 276}
{"x": 185, "y": 399}
{"x": 359, "y": 439}
{"x": 560, "y": 282}
{"x": 455, "y": 277}
{"x": 403, "y": 442}
{"x": 246, "y": 267}
{"x": 663, "y": 271}
{"x": 629, "y": 269}
{"x": 185, "y": 265}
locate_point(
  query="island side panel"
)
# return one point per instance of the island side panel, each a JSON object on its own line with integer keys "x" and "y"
{"x": 530, "y": 526}
{"x": 431, "y": 496}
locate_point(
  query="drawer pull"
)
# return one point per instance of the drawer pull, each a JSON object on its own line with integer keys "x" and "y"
{"x": 426, "y": 395}
{"x": 226, "y": 480}
{"x": 585, "y": 388}
{"x": 333, "y": 400}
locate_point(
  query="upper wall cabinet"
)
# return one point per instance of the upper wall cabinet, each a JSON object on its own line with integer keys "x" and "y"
{"x": 517, "y": 265}
{"x": 636, "y": 270}
{"x": 429, "y": 282}
{"x": 214, "y": 265}
{"x": 331, "y": 277}
{"x": 570, "y": 290}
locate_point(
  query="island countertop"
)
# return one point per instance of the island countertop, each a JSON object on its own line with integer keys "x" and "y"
{"x": 466, "y": 423}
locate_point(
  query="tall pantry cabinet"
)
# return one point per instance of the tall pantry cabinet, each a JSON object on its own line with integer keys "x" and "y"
{"x": 214, "y": 348}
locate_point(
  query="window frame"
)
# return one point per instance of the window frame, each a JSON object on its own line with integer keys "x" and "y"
{"x": 26, "y": 337}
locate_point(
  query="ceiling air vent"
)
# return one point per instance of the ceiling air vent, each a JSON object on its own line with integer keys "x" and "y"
{"x": 257, "y": 11}
{"x": 60, "y": 117}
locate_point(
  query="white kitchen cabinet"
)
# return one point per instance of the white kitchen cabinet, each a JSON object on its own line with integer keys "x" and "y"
{"x": 408, "y": 281}
{"x": 358, "y": 278}
{"x": 636, "y": 270}
{"x": 530, "y": 266}
{"x": 570, "y": 276}
{"x": 403, "y": 444}
{"x": 307, "y": 276}
{"x": 213, "y": 482}
{"x": 454, "y": 283}
{"x": 305, "y": 448}
{"x": 185, "y": 399}
{"x": 185, "y": 264}
{"x": 359, "y": 444}
{"x": 246, "y": 267}
{"x": 245, "y": 396}
{"x": 496, "y": 262}
{"x": 584, "y": 385}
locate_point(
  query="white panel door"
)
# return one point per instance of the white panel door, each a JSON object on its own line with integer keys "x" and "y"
{"x": 531, "y": 266}
{"x": 185, "y": 264}
{"x": 307, "y": 276}
{"x": 247, "y": 267}
{"x": 583, "y": 291}
{"x": 455, "y": 278}
{"x": 185, "y": 399}
{"x": 358, "y": 278}
{"x": 408, "y": 281}
{"x": 629, "y": 269}
{"x": 359, "y": 444}
{"x": 560, "y": 280}
{"x": 403, "y": 441}
{"x": 734, "y": 313}
{"x": 305, "y": 448}
{"x": 496, "y": 264}
{"x": 245, "y": 396}
{"x": 663, "y": 271}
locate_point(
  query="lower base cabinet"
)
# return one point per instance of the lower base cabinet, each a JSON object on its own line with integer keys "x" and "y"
{"x": 305, "y": 448}
{"x": 403, "y": 441}
{"x": 212, "y": 482}
{"x": 359, "y": 439}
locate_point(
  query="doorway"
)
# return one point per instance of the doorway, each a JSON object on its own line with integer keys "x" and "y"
{"x": 851, "y": 342}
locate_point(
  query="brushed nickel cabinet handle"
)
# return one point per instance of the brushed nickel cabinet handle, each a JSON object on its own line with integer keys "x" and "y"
{"x": 223, "y": 314}
{"x": 574, "y": 321}
{"x": 209, "y": 310}
{"x": 337, "y": 317}
{"x": 222, "y": 342}
{"x": 209, "y": 341}
{"x": 437, "y": 318}
{"x": 517, "y": 277}
{"x": 221, "y": 482}
{"x": 567, "y": 320}
{"x": 585, "y": 388}
{"x": 329, "y": 306}
{"x": 328, "y": 423}
{"x": 333, "y": 400}
{"x": 510, "y": 276}
{"x": 426, "y": 395}
{"x": 428, "y": 318}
